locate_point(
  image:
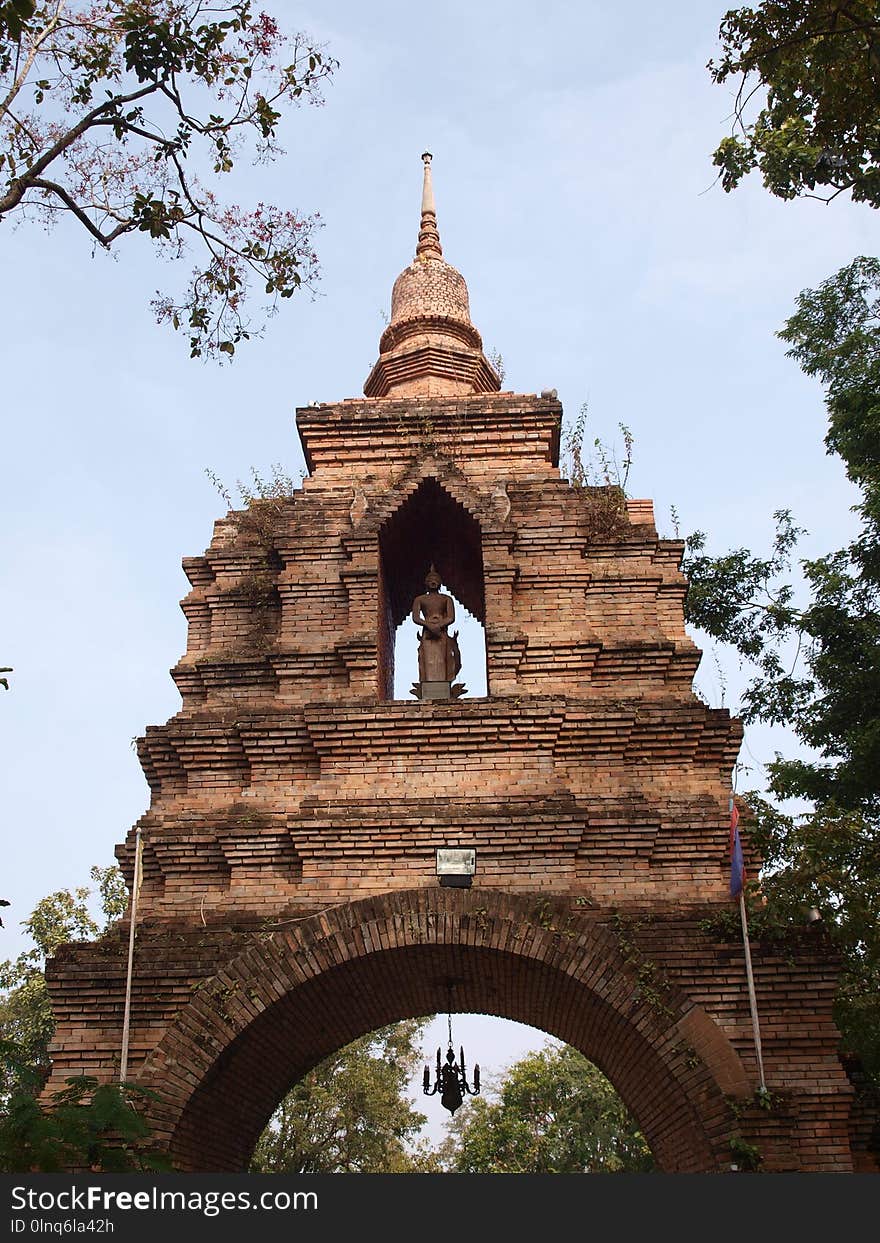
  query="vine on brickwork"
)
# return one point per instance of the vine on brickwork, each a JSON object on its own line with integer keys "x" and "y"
{"x": 264, "y": 501}
{"x": 416, "y": 932}
{"x": 420, "y": 431}
{"x": 763, "y": 1098}
{"x": 747, "y": 1157}
{"x": 652, "y": 983}
{"x": 543, "y": 916}
{"x": 258, "y": 592}
{"x": 271, "y": 925}
{"x": 691, "y": 1057}
{"x": 600, "y": 475}
{"x": 220, "y": 996}
{"x": 480, "y": 916}
{"x": 495, "y": 358}
{"x": 255, "y": 588}
{"x": 765, "y": 924}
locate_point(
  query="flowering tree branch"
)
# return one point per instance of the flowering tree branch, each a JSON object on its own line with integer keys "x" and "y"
{"x": 114, "y": 112}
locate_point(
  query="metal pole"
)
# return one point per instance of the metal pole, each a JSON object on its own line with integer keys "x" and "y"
{"x": 135, "y": 890}
{"x": 753, "y": 1003}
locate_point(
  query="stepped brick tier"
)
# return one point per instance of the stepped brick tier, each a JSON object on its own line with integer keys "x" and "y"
{"x": 290, "y": 900}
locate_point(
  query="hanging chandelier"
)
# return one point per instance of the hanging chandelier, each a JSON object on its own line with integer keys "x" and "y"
{"x": 450, "y": 1078}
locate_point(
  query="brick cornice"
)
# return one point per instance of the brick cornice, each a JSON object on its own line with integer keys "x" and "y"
{"x": 523, "y": 428}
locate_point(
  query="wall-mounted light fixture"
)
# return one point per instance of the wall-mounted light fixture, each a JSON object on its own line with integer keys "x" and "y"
{"x": 456, "y": 867}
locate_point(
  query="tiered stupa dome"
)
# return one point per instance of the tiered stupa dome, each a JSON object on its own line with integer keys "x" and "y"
{"x": 430, "y": 347}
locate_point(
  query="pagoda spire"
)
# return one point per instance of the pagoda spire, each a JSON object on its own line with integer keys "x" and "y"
{"x": 430, "y": 347}
{"x": 429, "y": 238}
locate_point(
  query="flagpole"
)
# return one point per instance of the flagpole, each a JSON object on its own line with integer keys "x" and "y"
{"x": 753, "y": 1001}
{"x": 736, "y": 854}
{"x": 135, "y": 891}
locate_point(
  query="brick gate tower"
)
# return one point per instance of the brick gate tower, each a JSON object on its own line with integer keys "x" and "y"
{"x": 291, "y": 900}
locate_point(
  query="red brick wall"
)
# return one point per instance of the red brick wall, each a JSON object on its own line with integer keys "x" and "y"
{"x": 591, "y": 782}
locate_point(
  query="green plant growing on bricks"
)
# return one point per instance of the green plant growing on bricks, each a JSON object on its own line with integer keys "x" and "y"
{"x": 600, "y": 473}
{"x": 263, "y": 500}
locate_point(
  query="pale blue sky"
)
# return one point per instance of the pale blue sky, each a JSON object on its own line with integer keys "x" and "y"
{"x": 575, "y": 193}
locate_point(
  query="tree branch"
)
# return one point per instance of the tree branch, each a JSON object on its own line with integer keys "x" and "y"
{"x": 22, "y": 184}
{"x": 106, "y": 239}
{"x": 750, "y": 64}
{"x": 21, "y": 78}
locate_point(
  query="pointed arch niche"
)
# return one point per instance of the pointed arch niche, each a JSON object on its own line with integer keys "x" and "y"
{"x": 431, "y": 527}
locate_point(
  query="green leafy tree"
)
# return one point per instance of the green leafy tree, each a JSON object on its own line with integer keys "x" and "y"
{"x": 555, "y": 1113}
{"x": 84, "y": 1125}
{"x": 26, "y": 1020}
{"x": 13, "y": 16}
{"x": 817, "y": 664}
{"x": 815, "y": 67}
{"x": 113, "y": 113}
{"x": 351, "y": 1114}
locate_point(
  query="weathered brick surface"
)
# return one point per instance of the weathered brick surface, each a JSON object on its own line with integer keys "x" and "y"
{"x": 228, "y": 1020}
{"x": 290, "y": 901}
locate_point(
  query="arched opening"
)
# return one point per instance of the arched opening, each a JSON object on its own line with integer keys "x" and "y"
{"x": 539, "y": 1107}
{"x": 296, "y": 996}
{"x": 430, "y": 528}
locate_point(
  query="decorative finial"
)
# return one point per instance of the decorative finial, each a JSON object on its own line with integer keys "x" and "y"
{"x": 430, "y": 347}
{"x": 429, "y": 239}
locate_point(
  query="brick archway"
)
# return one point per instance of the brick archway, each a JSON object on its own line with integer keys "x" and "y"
{"x": 590, "y": 781}
{"x": 295, "y": 995}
